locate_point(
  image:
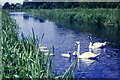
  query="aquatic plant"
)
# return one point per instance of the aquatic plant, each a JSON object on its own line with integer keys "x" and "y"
{"x": 22, "y": 58}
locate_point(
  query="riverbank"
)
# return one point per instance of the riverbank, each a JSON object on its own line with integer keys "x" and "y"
{"x": 22, "y": 58}
{"x": 98, "y": 16}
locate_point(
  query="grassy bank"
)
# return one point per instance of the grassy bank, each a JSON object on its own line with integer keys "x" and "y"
{"x": 107, "y": 17}
{"x": 22, "y": 58}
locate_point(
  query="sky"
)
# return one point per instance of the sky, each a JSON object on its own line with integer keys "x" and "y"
{"x": 10, "y": 1}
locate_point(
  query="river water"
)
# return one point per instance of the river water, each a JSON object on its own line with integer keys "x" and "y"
{"x": 63, "y": 35}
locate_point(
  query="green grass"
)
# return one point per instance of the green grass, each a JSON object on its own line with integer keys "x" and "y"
{"x": 107, "y": 17}
{"x": 22, "y": 58}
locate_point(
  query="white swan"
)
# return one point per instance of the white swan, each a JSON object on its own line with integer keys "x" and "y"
{"x": 45, "y": 51}
{"x": 50, "y": 54}
{"x": 87, "y": 55}
{"x": 43, "y": 47}
{"x": 66, "y": 55}
{"x": 42, "y": 50}
{"x": 96, "y": 45}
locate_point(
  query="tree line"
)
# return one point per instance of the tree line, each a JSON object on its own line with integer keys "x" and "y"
{"x": 61, "y": 5}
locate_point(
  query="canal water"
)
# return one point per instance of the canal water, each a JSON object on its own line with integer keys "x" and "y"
{"x": 63, "y": 35}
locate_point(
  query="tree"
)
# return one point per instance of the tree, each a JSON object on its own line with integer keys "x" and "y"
{"x": 68, "y": 5}
{"x": 12, "y": 6}
{"x": 6, "y": 5}
{"x": 18, "y": 6}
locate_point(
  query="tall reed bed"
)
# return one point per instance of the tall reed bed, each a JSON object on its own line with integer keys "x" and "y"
{"x": 22, "y": 58}
{"x": 107, "y": 17}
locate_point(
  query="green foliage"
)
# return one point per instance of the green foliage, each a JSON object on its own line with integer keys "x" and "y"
{"x": 61, "y": 5}
{"x": 6, "y": 5}
{"x": 64, "y": 5}
{"x": 22, "y": 58}
{"x": 118, "y": 6}
{"x": 108, "y": 17}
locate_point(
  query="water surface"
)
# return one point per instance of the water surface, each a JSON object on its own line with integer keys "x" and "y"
{"x": 63, "y": 35}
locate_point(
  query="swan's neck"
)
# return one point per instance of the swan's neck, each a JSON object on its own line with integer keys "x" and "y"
{"x": 90, "y": 45}
{"x": 78, "y": 51}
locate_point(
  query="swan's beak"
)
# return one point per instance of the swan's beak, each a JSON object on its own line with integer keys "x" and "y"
{"x": 76, "y": 44}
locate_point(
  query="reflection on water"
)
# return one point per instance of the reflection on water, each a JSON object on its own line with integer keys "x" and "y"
{"x": 25, "y": 16}
{"x": 63, "y": 36}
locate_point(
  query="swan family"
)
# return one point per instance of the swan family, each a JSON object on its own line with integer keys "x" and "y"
{"x": 87, "y": 55}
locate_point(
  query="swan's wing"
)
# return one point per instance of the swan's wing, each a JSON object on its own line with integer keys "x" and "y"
{"x": 88, "y": 62}
{"x": 98, "y": 44}
{"x": 65, "y": 55}
{"x": 87, "y": 55}
{"x": 92, "y": 47}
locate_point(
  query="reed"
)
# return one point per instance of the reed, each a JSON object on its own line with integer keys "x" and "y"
{"x": 22, "y": 58}
{"x": 107, "y": 17}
